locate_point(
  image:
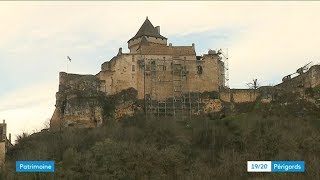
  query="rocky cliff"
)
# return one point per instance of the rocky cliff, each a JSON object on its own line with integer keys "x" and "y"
{"x": 78, "y": 102}
{"x": 81, "y": 103}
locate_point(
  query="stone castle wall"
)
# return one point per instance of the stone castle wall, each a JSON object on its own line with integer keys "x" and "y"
{"x": 118, "y": 74}
{"x": 239, "y": 95}
{"x": 78, "y": 82}
{"x": 2, "y": 152}
{"x": 127, "y": 70}
{"x": 5, "y": 143}
{"x": 77, "y": 101}
{"x": 314, "y": 76}
{"x": 79, "y": 98}
{"x": 134, "y": 44}
{"x": 311, "y": 78}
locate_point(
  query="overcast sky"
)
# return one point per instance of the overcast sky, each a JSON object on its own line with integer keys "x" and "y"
{"x": 265, "y": 40}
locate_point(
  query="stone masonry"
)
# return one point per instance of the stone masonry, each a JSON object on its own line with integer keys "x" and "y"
{"x": 160, "y": 73}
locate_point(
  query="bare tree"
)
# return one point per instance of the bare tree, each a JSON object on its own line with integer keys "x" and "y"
{"x": 254, "y": 84}
{"x": 46, "y": 124}
{"x": 21, "y": 136}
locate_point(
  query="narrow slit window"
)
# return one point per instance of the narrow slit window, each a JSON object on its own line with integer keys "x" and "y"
{"x": 199, "y": 69}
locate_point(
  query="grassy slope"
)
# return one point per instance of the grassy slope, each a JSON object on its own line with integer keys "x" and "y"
{"x": 202, "y": 148}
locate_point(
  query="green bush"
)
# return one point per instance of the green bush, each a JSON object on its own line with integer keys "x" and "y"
{"x": 161, "y": 148}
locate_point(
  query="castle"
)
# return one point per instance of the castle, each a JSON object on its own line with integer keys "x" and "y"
{"x": 176, "y": 68}
{"x": 5, "y": 143}
{"x": 170, "y": 79}
{"x": 157, "y": 70}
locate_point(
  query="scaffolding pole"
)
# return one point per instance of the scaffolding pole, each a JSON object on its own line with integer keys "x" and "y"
{"x": 157, "y": 75}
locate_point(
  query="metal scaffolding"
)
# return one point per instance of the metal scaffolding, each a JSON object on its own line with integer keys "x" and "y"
{"x": 224, "y": 58}
{"x": 172, "y": 74}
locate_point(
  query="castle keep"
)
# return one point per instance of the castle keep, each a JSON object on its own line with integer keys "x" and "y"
{"x": 172, "y": 80}
{"x": 160, "y": 70}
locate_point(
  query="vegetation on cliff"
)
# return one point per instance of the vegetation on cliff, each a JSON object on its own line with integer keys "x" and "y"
{"x": 205, "y": 147}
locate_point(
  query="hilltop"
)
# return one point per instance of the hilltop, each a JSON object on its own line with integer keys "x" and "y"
{"x": 204, "y": 147}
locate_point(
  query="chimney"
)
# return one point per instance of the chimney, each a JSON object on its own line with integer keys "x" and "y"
{"x": 193, "y": 45}
{"x": 119, "y": 52}
{"x": 9, "y": 137}
{"x": 4, "y": 121}
{"x": 158, "y": 29}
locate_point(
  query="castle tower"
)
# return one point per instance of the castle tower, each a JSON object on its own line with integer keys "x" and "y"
{"x": 4, "y": 142}
{"x": 146, "y": 35}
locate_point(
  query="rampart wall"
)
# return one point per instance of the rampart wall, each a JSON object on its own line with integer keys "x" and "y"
{"x": 311, "y": 78}
{"x": 239, "y": 95}
{"x": 77, "y": 101}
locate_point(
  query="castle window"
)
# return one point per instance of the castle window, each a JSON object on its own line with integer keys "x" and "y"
{"x": 184, "y": 58}
{"x": 164, "y": 68}
{"x": 153, "y": 66}
{"x": 164, "y": 58}
{"x": 199, "y": 69}
{"x": 133, "y": 68}
{"x": 148, "y": 67}
{"x": 132, "y": 58}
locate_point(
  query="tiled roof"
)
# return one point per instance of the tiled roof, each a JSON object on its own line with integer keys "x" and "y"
{"x": 168, "y": 50}
{"x": 147, "y": 29}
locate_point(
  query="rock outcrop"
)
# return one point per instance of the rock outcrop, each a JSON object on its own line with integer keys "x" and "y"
{"x": 78, "y": 102}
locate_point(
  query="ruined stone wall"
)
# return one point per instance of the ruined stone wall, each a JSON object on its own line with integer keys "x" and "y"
{"x": 239, "y": 95}
{"x": 125, "y": 104}
{"x": 295, "y": 83}
{"x": 225, "y": 95}
{"x": 68, "y": 82}
{"x": 314, "y": 76}
{"x": 77, "y": 101}
{"x": 244, "y": 95}
{"x": 311, "y": 78}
